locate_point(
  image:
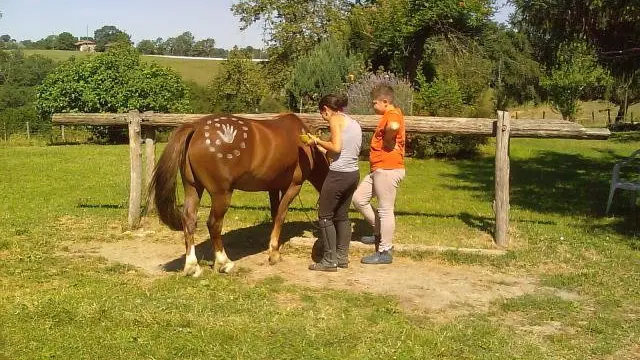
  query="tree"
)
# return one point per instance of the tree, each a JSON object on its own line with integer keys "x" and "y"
{"x": 393, "y": 33}
{"x": 66, "y": 41}
{"x": 28, "y": 44}
{"x": 183, "y": 44}
{"x": 610, "y": 27}
{"x": 109, "y": 34}
{"x": 204, "y": 48}
{"x": 576, "y": 70}
{"x": 47, "y": 43}
{"x": 324, "y": 70}
{"x": 515, "y": 73}
{"x": 294, "y": 27}
{"x": 6, "y": 42}
{"x": 115, "y": 81}
{"x": 147, "y": 47}
{"x": 239, "y": 86}
{"x": 23, "y": 71}
{"x": 19, "y": 76}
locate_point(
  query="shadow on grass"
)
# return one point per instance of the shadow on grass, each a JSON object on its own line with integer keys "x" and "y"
{"x": 102, "y": 206}
{"x": 482, "y": 223}
{"x": 624, "y": 137}
{"x": 552, "y": 182}
{"x": 240, "y": 243}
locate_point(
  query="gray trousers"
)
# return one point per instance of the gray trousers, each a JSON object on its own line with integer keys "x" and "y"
{"x": 383, "y": 185}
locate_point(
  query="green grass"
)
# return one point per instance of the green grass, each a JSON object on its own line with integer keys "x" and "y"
{"x": 590, "y": 113}
{"x": 57, "y": 55}
{"x": 53, "y": 306}
{"x": 196, "y": 70}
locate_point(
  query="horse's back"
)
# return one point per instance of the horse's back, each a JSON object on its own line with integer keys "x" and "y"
{"x": 229, "y": 152}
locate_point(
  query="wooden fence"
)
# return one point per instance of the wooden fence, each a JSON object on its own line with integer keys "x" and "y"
{"x": 142, "y": 130}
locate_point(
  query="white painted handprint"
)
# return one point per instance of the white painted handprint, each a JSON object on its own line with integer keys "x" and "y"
{"x": 228, "y": 133}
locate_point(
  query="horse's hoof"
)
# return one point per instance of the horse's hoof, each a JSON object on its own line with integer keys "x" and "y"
{"x": 198, "y": 272}
{"x": 226, "y": 268}
{"x": 274, "y": 258}
{"x": 192, "y": 270}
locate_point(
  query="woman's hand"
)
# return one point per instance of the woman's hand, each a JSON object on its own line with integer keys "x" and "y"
{"x": 313, "y": 140}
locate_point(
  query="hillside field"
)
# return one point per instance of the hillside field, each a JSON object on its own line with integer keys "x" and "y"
{"x": 197, "y": 70}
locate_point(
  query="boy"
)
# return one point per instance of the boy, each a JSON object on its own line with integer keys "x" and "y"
{"x": 387, "y": 171}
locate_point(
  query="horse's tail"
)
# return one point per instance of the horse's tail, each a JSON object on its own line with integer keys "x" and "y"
{"x": 163, "y": 182}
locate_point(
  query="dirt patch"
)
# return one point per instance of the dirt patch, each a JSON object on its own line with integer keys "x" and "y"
{"x": 429, "y": 287}
{"x": 439, "y": 290}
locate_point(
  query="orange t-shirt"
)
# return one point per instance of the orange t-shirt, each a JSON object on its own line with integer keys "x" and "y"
{"x": 381, "y": 158}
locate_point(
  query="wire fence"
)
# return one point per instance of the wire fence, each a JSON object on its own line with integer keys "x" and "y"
{"x": 36, "y": 133}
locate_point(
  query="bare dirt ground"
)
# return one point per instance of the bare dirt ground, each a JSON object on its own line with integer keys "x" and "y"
{"x": 431, "y": 287}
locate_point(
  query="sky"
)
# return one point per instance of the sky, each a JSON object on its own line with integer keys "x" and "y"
{"x": 142, "y": 19}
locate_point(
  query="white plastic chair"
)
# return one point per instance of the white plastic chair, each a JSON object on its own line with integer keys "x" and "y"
{"x": 625, "y": 184}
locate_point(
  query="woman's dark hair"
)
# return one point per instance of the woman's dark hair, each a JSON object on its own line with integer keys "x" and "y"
{"x": 334, "y": 102}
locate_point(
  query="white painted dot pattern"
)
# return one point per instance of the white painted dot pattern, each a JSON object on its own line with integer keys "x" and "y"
{"x": 226, "y": 133}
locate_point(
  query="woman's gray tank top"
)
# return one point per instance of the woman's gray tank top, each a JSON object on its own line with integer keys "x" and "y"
{"x": 347, "y": 159}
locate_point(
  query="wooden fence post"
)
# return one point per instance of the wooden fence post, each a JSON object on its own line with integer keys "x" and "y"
{"x": 28, "y": 132}
{"x": 150, "y": 161}
{"x": 135, "y": 156}
{"x": 62, "y": 131}
{"x": 502, "y": 179}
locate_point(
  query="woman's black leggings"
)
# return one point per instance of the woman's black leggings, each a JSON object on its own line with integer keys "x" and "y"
{"x": 336, "y": 193}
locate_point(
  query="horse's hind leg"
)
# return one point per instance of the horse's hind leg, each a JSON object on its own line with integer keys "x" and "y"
{"x": 278, "y": 220}
{"x": 192, "y": 197}
{"x": 219, "y": 208}
{"x": 274, "y": 202}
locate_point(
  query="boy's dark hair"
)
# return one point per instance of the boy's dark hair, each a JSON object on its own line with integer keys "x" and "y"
{"x": 334, "y": 102}
{"x": 383, "y": 91}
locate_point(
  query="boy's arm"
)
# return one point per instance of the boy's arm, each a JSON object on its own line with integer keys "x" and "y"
{"x": 390, "y": 133}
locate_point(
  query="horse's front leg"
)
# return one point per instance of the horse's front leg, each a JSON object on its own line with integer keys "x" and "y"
{"x": 219, "y": 208}
{"x": 189, "y": 222}
{"x": 278, "y": 220}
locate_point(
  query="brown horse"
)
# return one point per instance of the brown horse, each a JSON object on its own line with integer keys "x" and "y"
{"x": 223, "y": 153}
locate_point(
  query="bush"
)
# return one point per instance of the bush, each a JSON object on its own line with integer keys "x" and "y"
{"x": 425, "y": 146}
{"x": 115, "y": 81}
{"x": 441, "y": 97}
{"x": 270, "y": 104}
{"x": 360, "y": 93}
{"x": 239, "y": 86}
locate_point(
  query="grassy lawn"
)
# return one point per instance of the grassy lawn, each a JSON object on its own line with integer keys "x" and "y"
{"x": 197, "y": 70}
{"x": 590, "y": 113}
{"x": 55, "y": 306}
{"x": 57, "y": 55}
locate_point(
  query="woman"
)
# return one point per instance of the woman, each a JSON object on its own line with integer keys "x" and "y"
{"x": 342, "y": 149}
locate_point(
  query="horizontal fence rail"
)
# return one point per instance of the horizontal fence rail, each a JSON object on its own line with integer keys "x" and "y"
{"x": 141, "y": 129}
{"x": 527, "y": 128}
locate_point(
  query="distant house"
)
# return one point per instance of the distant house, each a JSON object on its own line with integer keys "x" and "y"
{"x": 86, "y": 45}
